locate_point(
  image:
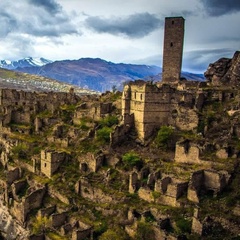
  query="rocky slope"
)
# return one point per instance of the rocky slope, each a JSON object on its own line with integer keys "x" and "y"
{"x": 225, "y": 71}
{"x": 70, "y": 168}
{"x": 29, "y": 82}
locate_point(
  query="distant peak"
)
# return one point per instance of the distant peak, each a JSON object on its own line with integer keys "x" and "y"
{"x": 25, "y": 62}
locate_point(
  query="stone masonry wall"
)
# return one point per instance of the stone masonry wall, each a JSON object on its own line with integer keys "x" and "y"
{"x": 156, "y": 105}
{"x": 173, "y": 48}
{"x": 50, "y": 161}
{"x": 187, "y": 153}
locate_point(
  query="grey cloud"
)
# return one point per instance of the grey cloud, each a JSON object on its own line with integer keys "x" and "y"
{"x": 199, "y": 60}
{"x": 19, "y": 45}
{"x": 49, "y": 5}
{"x": 51, "y": 23}
{"x": 184, "y": 13}
{"x": 133, "y": 26}
{"x": 8, "y": 24}
{"x": 48, "y": 27}
{"x": 221, "y": 7}
{"x": 193, "y": 61}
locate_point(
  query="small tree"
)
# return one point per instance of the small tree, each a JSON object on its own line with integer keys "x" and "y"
{"x": 164, "y": 137}
{"x": 131, "y": 159}
{"x": 20, "y": 151}
{"x": 40, "y": 224}
{"x": 108, "y": 235}
{"x": 145, "y": 231}
{"x": 112, "y": 235}
{"x": 108, "y": 121}
{"x": 103, "y": 134}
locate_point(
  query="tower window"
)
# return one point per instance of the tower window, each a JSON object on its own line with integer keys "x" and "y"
{"x": 172, "y": 22}
{"x": 171, "y": 44}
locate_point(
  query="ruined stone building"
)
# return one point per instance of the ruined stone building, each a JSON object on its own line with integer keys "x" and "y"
{"x": 173, "y": 49}
{"x": 170, "y": 102}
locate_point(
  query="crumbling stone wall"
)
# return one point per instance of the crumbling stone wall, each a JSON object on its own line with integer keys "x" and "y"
{"x": 43, "y": 101}
{"x": 206, "y": 180}
{"x": 57, "y": 195}
{"x": 19, "y": 106}
{"x": 81, "y": 234}
{"x": 93, "y": 111}
{"x": 196, "y": 184}
{"x": 154, "y": 106}
{"x": 91, "y": 161}
{"x": 120, "y": 132}
{"x": 32, "y": 201}
{"x": 93, "y": 193}
{"x": 215, "y": 181}
{"x": 187, "y": 152}
{"x": 58, "y": 219}
{"x": 13, "y": 174}
{"x": 17, "y": 187}
{"x": 133, "y": 182}
{"x": 51, "y": 161}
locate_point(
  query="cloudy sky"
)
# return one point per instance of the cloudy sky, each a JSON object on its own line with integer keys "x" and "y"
{"x": 129, "y": 31}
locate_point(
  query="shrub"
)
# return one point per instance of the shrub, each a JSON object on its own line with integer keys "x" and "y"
{"x": 103, "y": 134}
{"x": 83, "y": 125}
{"x": 108, "y": 121}
{"x": 131, "y": 159}
{"x": 145, "y": 231}
{"x": 112, "y": 234}
{"x": 40, "y": 224}
{"x": 184, "y": 225}
{"x": 20, "y": 151}
{"x": 164, "y": 137}
{"x": 156, "y": 195}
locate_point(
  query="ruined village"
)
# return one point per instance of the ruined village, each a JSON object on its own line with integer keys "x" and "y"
{"x": 158, "y": 161}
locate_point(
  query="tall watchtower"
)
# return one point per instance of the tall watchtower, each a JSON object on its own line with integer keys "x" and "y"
{"x": 173, "y": 49}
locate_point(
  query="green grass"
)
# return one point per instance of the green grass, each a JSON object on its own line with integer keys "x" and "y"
{"x": 56, "y": 236}
{"x": 45, "y": 114}
{"x": 103, "y": 134}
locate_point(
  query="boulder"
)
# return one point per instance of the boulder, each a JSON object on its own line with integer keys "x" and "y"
{"x": 225, "y": 71}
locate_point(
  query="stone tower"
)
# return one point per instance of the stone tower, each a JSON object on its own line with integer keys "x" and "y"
{"x": 173, "y": 49}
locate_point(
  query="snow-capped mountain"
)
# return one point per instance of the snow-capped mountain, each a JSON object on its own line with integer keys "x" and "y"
{"x": 25, "y": 62}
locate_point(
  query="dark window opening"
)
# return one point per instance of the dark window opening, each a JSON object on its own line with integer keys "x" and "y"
{"x": 186, "y": 147}
{"x": 45, "y": 165}
{"x": 136, "y": 214}
{"x": 135, "y": 95}
{"x": 141, "y": 96}
{"x": 172, "y": 22}
{"x": 171, "y": 44}
{"x": 84, "y": 167}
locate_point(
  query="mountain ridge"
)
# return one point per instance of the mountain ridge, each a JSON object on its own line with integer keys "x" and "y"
{"x": 25, "y": 62}
{"x": 98, "y": 74}
{"x": 90, "y": 73}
